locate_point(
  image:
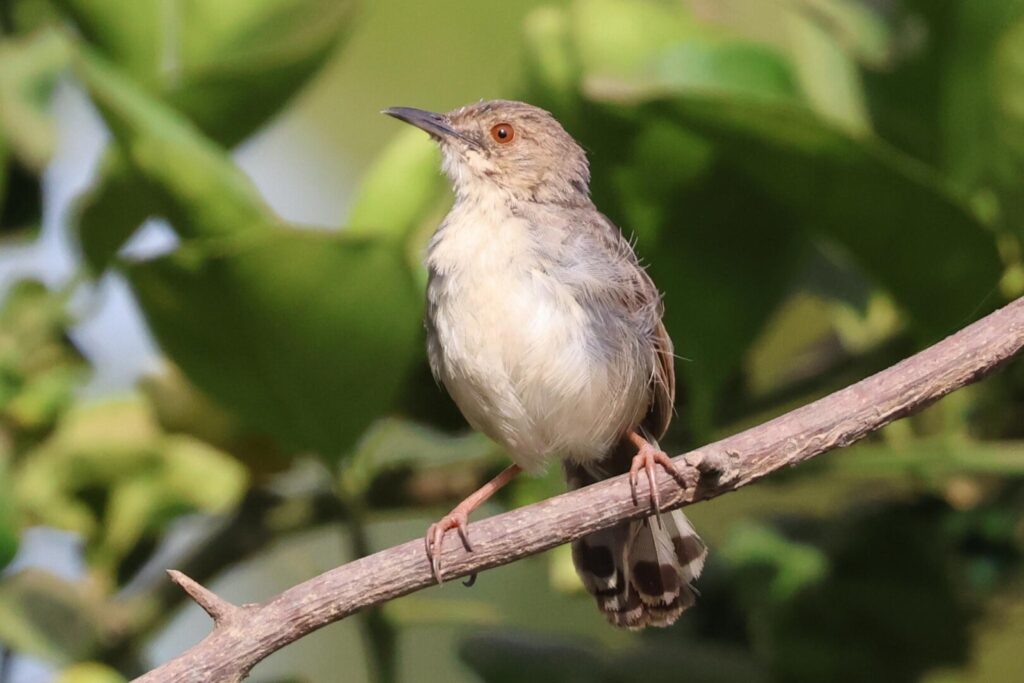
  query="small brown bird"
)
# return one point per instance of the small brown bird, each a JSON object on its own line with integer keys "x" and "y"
{"x": 547, "y": 333}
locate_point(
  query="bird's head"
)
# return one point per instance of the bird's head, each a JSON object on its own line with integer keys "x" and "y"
{"x": 511, "y": 146}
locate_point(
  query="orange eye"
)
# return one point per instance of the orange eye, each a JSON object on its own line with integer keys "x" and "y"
{"x": 503, "y": 133}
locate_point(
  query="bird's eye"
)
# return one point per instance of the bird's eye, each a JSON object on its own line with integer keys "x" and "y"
{"x": 503, "y": 133}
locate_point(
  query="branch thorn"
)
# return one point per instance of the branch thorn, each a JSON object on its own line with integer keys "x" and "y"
{"x": 217, "y": 607}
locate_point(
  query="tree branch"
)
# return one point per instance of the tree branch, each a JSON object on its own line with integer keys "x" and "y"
{"x": 252, "y": 632}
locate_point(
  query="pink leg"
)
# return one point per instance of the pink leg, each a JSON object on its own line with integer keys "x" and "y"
{"x": 647, "y": 456}
{"x": 458, "y": 518}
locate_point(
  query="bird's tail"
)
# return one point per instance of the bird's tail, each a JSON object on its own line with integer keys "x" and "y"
{"x": 640, "y": 572}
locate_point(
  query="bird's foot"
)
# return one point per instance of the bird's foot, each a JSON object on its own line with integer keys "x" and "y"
{"x": 456, "y": 519}
{"x": 646, "y": 458}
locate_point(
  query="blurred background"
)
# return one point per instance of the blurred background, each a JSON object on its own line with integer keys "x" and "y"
{"x": 211, "y": 352}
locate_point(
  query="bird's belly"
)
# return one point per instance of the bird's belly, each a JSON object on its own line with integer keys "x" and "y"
{"x": 528, "y": 366}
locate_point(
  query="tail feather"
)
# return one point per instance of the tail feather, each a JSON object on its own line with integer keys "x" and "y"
{"x": 640, "y": 572}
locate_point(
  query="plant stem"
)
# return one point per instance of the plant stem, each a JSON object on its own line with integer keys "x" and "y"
{"x": 379, "y": 634}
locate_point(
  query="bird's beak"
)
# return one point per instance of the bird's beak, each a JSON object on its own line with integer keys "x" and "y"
{"x": 433, "y": 123}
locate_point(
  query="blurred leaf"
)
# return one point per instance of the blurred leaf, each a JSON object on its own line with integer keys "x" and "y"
{"x": 827, "y": 70}
{"x": 393, "y": 442}
{"x": 227, "y": 78}
{"x": 251, "y": 320}
{"x": 662, "y": 660}
{"x": 110, "y": 474}
{"x": 29, "y": 68}
{"x": 90, "y": 672}
{"x": 513, "y": 657}
{"x": 718, "y": 296}
{"x": 117, "y": 204}
{"x": 625, "y": 46}
{"x": 792, "y": 566}
{"x": 502, "y": 657}
{"x": 1009, "y": 89}
{"x": 948, "y": 100}
{"x": 228, "y": 66}
{"x": 181, "y": 408}
{"x": 790, "y": 348}
{"x": 205, "y": 193}
{"x": 39, "y": 368}
{"x": 306, "y": 335}
{"x": 550, "y": 64}
{"x": 8, "y": 525}
{"x": 933, "y": 457}
{"x": 916, "y": 237}
{"x": 1008, "y": 83}
{"x": 891, "y": 605}
{"x": 28, "y": 16}
{"x": 856, "y": 26}
{"x": 682, "y": 159}
{"x": 442, "y": 465}
{"x": 403, "y": 183}
{"x": 21, "y": 204}
{"x": 974, "y": 146}
{"x": 47, "y": 617}
{"x": 5, "y": 156}
{"x": 419, "y": 611}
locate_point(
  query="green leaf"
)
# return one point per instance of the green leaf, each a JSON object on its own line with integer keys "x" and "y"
{"x": 206, "y": 194}
{"x": 627, "y": 46}
{"x": 29, "y": 68}
{"x": 47, "y": 617}
{"x": 703, "y": 660}
{"x": 932, "y": 458}
{"x": 39, "y": 367}
{"x": 827, "y": 71}
{"x": 399, "y": 189}
{"x": 114, "y": 208}
{"x": 228, "y": 65}
{"x": 394, "y": 444}
{"x": 717, "y": 296}
{"x": 116, "y": 452}
{"x": 793, "y": 566}
{"x": 901, "y": 223}
{"x": 181, "y": 408}
{"x": 89, "y": 672}
{"x": 306, "y": 335}
{"x": 550, "y": 64}
{"x": 953, "y": 100}
{"x": 8, "y": 524}
{"x": 513, "y": 657}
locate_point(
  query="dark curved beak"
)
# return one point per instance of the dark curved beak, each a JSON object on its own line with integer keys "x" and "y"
{"x": 433, "y": 123}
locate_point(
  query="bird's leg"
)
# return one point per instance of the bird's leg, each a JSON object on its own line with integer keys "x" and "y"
{"x": 458, "y": 519}
{"x": 646, "y": 458}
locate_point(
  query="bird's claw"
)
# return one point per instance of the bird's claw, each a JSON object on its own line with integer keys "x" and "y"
{"x": 646, "y": 458}
{"x": 435, "y": 539}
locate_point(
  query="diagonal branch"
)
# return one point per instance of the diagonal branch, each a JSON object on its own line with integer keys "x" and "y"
{"x": 252, "y": 632}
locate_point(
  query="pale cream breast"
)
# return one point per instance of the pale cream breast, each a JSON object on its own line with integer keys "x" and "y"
{"x": 516, "y": 357}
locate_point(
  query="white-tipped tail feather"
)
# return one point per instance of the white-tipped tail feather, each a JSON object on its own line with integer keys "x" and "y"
{"x": 640, "y": 572}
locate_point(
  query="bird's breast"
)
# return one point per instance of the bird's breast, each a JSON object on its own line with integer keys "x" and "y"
{"x": 523, "y": 358}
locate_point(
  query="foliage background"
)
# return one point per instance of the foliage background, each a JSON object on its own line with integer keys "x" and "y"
{"x": 820, "y": 187}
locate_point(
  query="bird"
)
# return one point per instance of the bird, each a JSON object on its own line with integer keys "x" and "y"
{"x": 547, "y": 333}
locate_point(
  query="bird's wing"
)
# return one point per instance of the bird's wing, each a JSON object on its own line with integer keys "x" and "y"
{"x": 634, "y": 291}
{"x": 663, "y": 400}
